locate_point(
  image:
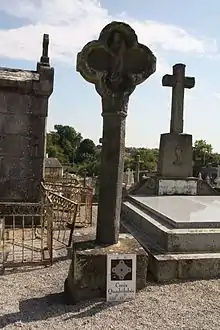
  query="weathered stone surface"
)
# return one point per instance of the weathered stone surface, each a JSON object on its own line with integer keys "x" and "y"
{"x": 87, "y": 273}
{"x": 185, "y": 186}
{"x": 23, "y": 111}
{"x": 203, "y": 266}
{"x": 175, "y": 155}
{"x": 178, "y": 82}
{"x": 115, "y": 63}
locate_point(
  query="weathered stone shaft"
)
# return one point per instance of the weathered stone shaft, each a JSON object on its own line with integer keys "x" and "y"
{"x": 112, "y": 169}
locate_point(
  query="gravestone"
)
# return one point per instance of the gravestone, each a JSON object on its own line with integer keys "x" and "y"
{"x": 115, "y": 63}
{"x": 137, "y": 168}
{"x": 23, "y": 111}
{"x": 217, "y": 180}
{"x": 175, "y": 152}
{"x": 128, "y": 178}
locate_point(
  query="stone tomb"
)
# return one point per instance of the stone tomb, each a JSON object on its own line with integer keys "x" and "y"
{"x": 182, "y": 234}
{"x": 23, "y": 110}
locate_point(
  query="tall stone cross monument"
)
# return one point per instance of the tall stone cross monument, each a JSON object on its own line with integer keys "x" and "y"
{"x": 115, "y": 63}
{"x": 178, "y": 82}
{"x": 175, "y": 156}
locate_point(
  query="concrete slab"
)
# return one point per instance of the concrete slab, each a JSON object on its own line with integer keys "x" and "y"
{"x": 184, "y": 211}
{"x": 169, "y": 238}
{"x": 166, "y": 266}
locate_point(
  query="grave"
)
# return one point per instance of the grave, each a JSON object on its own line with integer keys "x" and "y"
{"x": 175, "y": 161}
{"x": 175, "y": 151}
{"x": 178, "y": 226}
{"x": 181, "y": 233}
{"x": 23, "y": 111}
{"x": 115, "y": 63}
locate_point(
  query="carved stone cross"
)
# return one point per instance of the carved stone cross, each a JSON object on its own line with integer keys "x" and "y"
{"x": 44, "y": 60}
{"x": 115, "y": 63}
{"x": 178, "y": 82}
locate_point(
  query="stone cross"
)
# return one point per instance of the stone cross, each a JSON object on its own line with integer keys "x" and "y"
{"x": 137, "y": 168}
{"x": 44, "y": 60}
{"x": 178, "y": 82}
{"x": 115, "y": 63}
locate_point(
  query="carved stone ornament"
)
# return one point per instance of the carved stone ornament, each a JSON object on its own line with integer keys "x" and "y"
{"x": 178, "y": 155}
{"x": 116, "y": 63}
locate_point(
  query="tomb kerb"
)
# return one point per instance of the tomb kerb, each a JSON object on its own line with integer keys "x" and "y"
{"x": 23, "y": 110}
{"x": 115, "y": 63}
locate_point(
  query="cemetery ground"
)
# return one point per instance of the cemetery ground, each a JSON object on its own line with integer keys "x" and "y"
{"x": 34, "y": 299}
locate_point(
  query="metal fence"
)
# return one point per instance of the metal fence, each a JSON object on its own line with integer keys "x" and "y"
{"x": 26, "y": 235}
{"x": 34, "y": 233}
{"x": 79, "y": 194}
{"x": 64, "y": 213}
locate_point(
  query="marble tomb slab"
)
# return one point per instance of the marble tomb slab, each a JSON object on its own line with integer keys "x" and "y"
{"x": 184, "y": 211}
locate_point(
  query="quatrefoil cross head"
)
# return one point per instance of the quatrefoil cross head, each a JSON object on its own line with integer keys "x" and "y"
{"x": 116, "y": 63}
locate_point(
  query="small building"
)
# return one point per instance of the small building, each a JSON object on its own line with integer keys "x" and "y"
{"x": 53, "y": 168}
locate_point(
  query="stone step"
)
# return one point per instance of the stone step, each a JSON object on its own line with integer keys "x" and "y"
{"x": 168, "y": 238}
{"x": 165, "y": 266}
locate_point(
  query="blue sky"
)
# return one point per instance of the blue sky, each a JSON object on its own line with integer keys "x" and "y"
{"x": 176, "y": 31}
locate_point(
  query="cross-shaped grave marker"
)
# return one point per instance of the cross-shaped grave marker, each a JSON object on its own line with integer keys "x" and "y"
{"x": 178, "y": 82}
{"x": 115, "y": 63}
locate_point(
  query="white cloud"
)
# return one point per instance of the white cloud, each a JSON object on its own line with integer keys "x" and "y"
{"x": 72, "y": 23}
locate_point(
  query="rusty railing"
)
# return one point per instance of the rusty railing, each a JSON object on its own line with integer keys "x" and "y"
{"x": 26, "y": 235}
{"x": 64, "y": 216}
{"x": 83, "y": 196}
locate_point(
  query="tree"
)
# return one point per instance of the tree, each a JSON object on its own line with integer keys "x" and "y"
{"x": 86, "y": 152}
{"x": 63, "y": 143}
{"x": 148, "y": 158}
{"x": 202, "y": 152}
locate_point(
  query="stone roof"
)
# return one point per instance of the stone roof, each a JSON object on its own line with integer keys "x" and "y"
{"x": 18, "y": 74}
{"x": 52, "y": 163}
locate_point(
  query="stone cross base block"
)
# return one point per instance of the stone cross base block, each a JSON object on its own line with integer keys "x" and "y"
{"x": 175, "y": 155}
{"x": 173, "y": 186}
{"x": 87, "y": 274}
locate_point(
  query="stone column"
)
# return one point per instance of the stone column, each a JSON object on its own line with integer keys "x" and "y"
{"x": 115, "y": 63}
{"x": 137, "y": 169}
{"x": 112, "y": 170}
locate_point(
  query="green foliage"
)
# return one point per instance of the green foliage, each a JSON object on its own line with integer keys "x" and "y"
{"x": 202, "y": 153}
{"x": 148, "y": 158}
{"x": 83, "y": 157}
{"x": 86, "y": 152}
{"x": 63, "y": 143}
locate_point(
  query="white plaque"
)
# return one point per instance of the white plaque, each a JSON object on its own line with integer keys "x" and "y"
{"x": 121, "y": 277}
{"x": 177, "y": 187}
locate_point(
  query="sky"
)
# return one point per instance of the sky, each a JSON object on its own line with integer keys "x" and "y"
{"x": 176, "y": 31}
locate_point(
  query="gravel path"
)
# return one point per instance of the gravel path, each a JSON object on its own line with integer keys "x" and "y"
{"x": 34, "y": 300}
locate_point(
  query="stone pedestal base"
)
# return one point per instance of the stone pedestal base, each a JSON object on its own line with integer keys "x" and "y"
{"x": 175, "y": 155}
{"x": 173, "y": 186}
{"x": 87, "y": 274}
